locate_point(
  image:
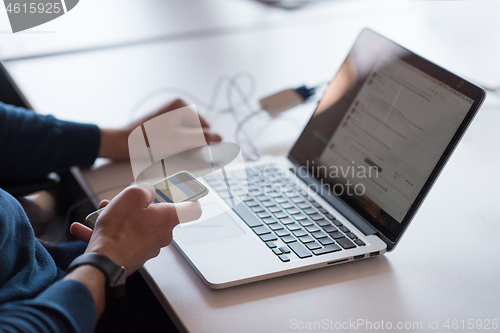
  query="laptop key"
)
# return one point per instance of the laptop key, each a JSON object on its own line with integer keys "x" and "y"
{"x": 323, "y": 223}
{"x": 306, "y": 239}
{"x": 287, "y": 220}
{"x": 271, "y": 245}
{"x": 268, "y": 204}
{"x": 263, "y": 215}
{"x": 312, "y": 228}
{"x": 252, "y": 203}
{"x": 251, "y": 187}
{"x": 247, "y": 216}
{"x": 300, "y": 250}
{"x": 268, "y": 237}
{"x": 337, "y": 223}
{"x": 324, "y": 211}
{"x": 225, "y": 195}
{"x": 316, "y": 217}
{"x": 280, "y": 200}
{"x": 306, "y": 222}
{"x": 315, "y": 204}
{"x": 326, "y": 241}
{"x": 252, "y": 172}
{"x": 282, "y": 232}
{"x": 240, "y": 192}
{"x": 288, "y": 239}
{"x": 351, "y": 235}
{"x": 274, "y": 209}
{"x": 292, "y": 211}
{"x": 317, "y": 234}
{"x": 344, "y": 229}
{"x": 262, "y": 230}
{"x": 346, "y": 243}
{"x": 304, "y": 205}
{"x": 284, "y": 258}
{"x": 280, "y": 215}
{"x": 262, "y": 197}
{"x": 273, "y": 179}
{"x": 330, "y": 217}
{"x": 275, "y": 226}
{"x": 269, "y": 220}
{"x": 299, "y": 233}
{"x": 219, "y": 188}
{"x": 329, "y": 228}
{"x": 287, "y": 205}
{"x": 267, "y": 189}
{"x": 336, "y": 235}
{"x": 293, "y": 226}
{"x": 300, "y": 217}
{"x": 240, "y": 175}
{"x": 277, "y": 251}
{"x": 214, "y": 183}
{"x": 285, "y": 249}
{"x": 310, "y": 211}
{"x": 327, "y": 249}
{"x": 313, "y": 246}
{"x": 210, "y": 178}
{"x": 359, "y": 242}
{"x": 258, "y": 209}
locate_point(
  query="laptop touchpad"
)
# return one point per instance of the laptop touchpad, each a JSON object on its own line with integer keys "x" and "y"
{"x": 213, "y": 225}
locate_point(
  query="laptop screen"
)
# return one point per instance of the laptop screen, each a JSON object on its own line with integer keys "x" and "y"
{"x": 381, "y": 133}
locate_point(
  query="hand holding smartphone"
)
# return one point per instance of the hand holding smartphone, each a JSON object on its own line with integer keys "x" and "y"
{"x": 179, "y": 187}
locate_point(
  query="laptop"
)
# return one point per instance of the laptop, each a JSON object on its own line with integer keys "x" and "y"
{"x": 351, "y": 184}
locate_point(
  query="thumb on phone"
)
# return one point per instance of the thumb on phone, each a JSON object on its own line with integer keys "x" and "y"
{"x": 188, "y": 211}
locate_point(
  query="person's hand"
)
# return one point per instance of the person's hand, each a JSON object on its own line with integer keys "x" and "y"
{"x": 114, "y": 142}
{"x": 132, "y": 229}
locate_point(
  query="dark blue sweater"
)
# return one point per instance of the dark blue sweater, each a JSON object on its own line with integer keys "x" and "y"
{"x": 31, "y": 300}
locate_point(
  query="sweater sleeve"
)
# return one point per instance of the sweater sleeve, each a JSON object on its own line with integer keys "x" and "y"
{"x": 33, "y": 145}
{"x": 52, "y": 311}
{"x": 30, "y": 300}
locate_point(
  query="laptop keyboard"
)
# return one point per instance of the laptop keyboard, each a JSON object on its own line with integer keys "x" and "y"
{"x": 285, "y": 218}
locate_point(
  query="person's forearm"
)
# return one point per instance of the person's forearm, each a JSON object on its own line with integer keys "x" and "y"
{"x": 33, "y": 145}
{"x": 66, "y": 306}
{"x": 95, "y": 281}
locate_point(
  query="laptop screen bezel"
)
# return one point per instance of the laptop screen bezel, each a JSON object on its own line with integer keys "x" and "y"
{"x": 468, "y": 89}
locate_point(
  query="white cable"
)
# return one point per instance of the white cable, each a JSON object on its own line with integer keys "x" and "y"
{"x": 240, "y": 126}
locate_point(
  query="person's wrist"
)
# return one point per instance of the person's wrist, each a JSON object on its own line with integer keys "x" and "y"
{"x": 111, "y": 251}
{"x": 115, "y": 276}
{"x": 114, "y": 143}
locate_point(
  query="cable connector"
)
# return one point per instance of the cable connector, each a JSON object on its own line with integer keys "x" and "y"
{"x": 286, "y": 99}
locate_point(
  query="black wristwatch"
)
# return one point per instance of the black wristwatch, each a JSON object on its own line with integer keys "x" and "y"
{"x": 115, "y": 274}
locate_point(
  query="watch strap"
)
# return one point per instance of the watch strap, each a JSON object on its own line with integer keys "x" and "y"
{"x": 115, "y": 274}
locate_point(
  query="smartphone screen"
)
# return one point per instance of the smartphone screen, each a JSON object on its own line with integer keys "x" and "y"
{"x": 178, "y": 188}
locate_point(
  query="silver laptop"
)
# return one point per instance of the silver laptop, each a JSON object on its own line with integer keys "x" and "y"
{"x": 351, "y": 184}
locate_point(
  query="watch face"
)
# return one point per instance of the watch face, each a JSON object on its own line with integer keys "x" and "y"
{"x": 120, "y": 284}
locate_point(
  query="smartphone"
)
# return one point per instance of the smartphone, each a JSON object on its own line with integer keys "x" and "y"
{"x": 179, "y": 187}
